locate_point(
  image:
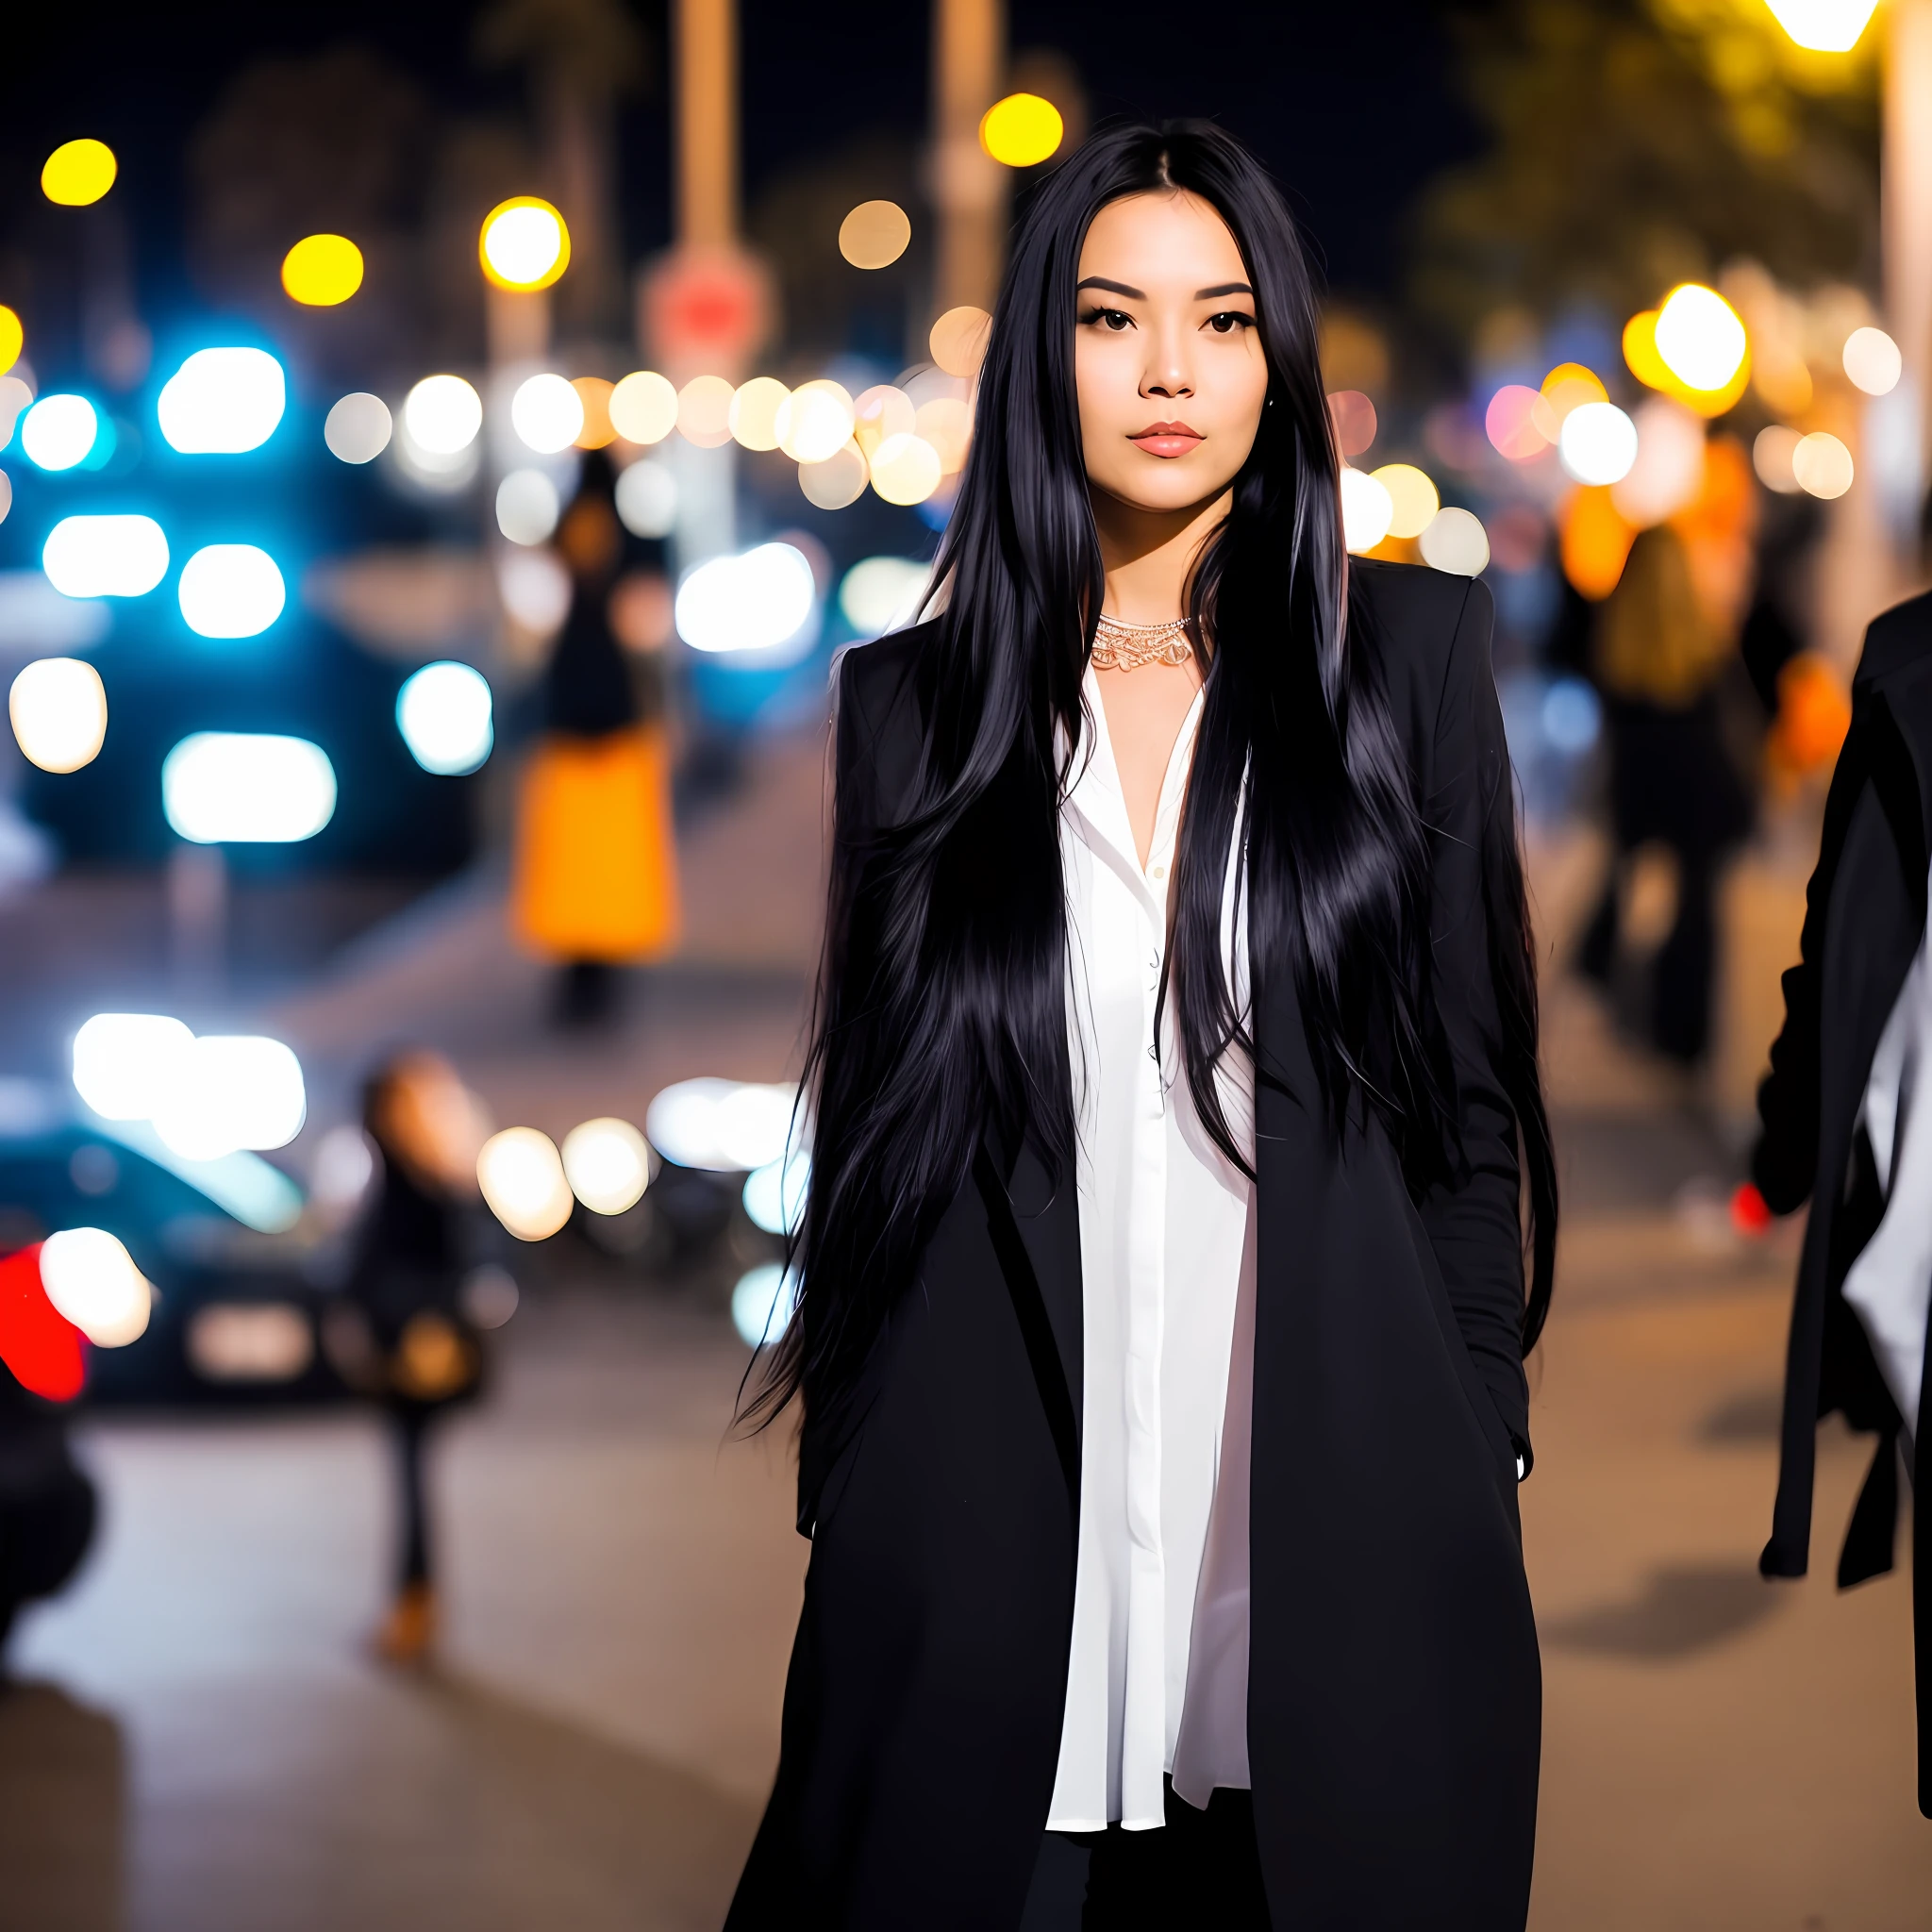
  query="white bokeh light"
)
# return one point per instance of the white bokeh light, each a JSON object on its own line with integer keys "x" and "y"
{"x": 722, "y": 1125}
{"x": 230, "y": 1092}
{"x": 445, "y": 714}
{"x": 58, "y": 711}
{"x": 547, "y": 413}
{"x": 774, "y": 1194}
{"x": 762, "y": 600}
{"x": 523, "y": 1180}
{"x": 125, "y": 1064}
{"x": 223, "y": 402}
{"x": 1367, "y": 510}
{"x": 247, "y": 787}
{"x": 1456, "y": 543}
{"x": 762, "y": 1304}
{"x": 1598, "y": 443}
{"x": 648, "y": 498}
{"x": 105, "y": 557}
{"x": 91, "y": 1280}
{"x": 358, "y": 428}
{"x": 528, "y": 506}
{"x": 59, "y": 431}
{"x": 442, "y": 415}
{"x": 880, "y": 592}
{"x": 607, "y": 1164}
{"x": 1873, "y": 361}
{"x": 231, "y": 590}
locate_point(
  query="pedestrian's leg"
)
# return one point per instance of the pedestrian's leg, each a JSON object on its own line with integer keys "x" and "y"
{"x": 408, "y": 1632}
{"x": 1680, "y": 1021}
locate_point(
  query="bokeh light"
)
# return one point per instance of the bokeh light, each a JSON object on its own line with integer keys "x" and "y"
{"x": 704, "y": 411}
{"x": 525, "y": 245}
{"x": 546, "y": 413}
{"x": 125, "y": 1064}
{"x": 816, "y": 418}
{"x": 442, "y": 414}
{"x": 59, "y": 431}
{"x": 1822, "y": 464}
{"x": 607, "y": 1164}
{"x": 881, "y": 592}
{"x": 223, "y": 402}
{"x": 58, "y": 709}
{"x": 754, "y": 415}
{"x": 78, "y": 173}
{"x": 1825, "y": 27}
{"x": 762, "y": 1303}
{"x": 906, "y": 469}
{"x": 1514, "y": 423}
{"x": 724, "y": 1126}
{"x": 1873, "y": 361}
{"x": 879, "y": 413}
{"x": 1367, "y": 510}
{"x": 92, "y": 1282}
{"x": 1668, "y": 471}
{"x": 1413, "y": 498}
{"x": 1569, "y": 386}
{"x": 761, "y": 600}
{"x": 520, "y": 1175}
{"x": 1354, "y": 417}
{"x": 1595, "y": 542}
{"x": 232, "y": 1093}
{"x": 1771, "y": 456}
{"x": 358, "y": 428}
{"x": 875, "y": 234}
{"x": 528, "y": 506}
{"x": 1022, "y": 130}
{"x": 774, "y": 1194}
{"x": 594, "y": 394}
{"x": 1456, "y": 542}
{"x": 1699, "y": 338}
{"x": 1598, "y": 443}
{"x": 648, "y": 498}
{"x": 536, "y": 589}
{"x": 958, "y": 340}
{"x": 322, "y": 269}
{"x": 643, "y": 407}
{"x": 12, "y": 338}
{"x": 444, "y": 712}
{"x": 838, "y": 480}
{"x": 16, "y": 398}
{"x": 247, "y": 787}
{"x": 231, "y": 590}
{"x": 105, "y": 557}
{"x": 946, "y": 423}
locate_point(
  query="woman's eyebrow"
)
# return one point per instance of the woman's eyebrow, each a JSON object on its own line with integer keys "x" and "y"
{"x": 1112, "y": 288}
{"x": 1221, "y": 289}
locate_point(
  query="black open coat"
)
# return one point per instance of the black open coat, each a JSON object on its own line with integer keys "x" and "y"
{"x": 1395, "y": 1688}
{"x": 1864, "y": 917}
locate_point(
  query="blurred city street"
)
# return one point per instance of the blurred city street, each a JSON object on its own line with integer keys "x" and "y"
{"x": 202, "y": 1744}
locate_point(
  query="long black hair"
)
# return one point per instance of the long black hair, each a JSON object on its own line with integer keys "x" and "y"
{"x": 942, "y": 1016}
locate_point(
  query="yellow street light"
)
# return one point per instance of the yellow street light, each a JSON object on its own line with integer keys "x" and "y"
{"x": 78, "y": 171}
{"x": 525, "y": 245}
{"x": 1825, "y": 27}
{"x": 1022, "y": 130}
{"x": 12, "y": 339}
{"x": 322, "y": 269}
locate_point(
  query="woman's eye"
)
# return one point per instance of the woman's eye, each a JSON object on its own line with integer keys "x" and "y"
{"x": 1114, "y": 318}
{"x": 1230, "y": 320}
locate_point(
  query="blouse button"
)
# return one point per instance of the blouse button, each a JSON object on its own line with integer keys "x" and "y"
{"x": 1159, "y": 872}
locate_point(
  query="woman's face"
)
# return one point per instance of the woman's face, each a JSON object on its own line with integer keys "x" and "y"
{"x": 1167, "y": 357}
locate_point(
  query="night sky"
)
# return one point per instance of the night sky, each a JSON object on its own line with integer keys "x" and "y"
{"x": 1352, "y": 107}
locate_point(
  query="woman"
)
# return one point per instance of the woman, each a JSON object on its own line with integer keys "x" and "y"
{"x": 1160, "y": 1331}
{"x": 596, "y": 871}
{"x": 415, "y": 1349}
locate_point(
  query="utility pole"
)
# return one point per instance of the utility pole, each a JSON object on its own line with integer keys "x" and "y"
{"x": 706, "y": 58}
{"x": 968, "y": 187}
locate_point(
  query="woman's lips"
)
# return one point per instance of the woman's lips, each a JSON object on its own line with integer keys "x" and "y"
{"x": 1166, "y": 439}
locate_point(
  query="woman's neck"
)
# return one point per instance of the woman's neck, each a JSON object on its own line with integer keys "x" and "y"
{"x": 1149, "y": 555}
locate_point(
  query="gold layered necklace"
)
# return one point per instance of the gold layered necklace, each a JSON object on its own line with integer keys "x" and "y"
{"x": 1119, "y": 646}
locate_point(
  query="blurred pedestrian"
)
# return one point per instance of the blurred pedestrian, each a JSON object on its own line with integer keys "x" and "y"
{"x": 46, "y": 1503}
{"x": 595, "y": 876}
{"x": 1162, "y": 1299}
{"x": 417, "y": 1352}
{"x": 1660, "y": 652}
{"x": 1847, "y": 1123}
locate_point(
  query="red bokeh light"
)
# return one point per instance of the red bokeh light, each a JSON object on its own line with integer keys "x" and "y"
{"x": 43, "y": 1348}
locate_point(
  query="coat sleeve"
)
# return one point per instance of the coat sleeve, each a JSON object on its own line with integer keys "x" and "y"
{"x": 1474, "y": 1222}
{"x": 1786, "y": 1157}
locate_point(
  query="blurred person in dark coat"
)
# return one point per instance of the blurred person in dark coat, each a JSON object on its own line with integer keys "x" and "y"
{"x": 47, "y": 1505}
{"x": 1847, "y": 1123}
{"x": 595, "y": 872}
{"x": 415, "y": 1347}
{"x": 1659, "y": 654}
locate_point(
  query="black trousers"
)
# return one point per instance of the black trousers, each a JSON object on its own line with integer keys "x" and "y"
{"x": 1202, "y": 1869}
{"x": 410, "y": 1426}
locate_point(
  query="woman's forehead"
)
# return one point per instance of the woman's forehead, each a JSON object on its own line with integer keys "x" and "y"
{"x": 1167, "y": 235}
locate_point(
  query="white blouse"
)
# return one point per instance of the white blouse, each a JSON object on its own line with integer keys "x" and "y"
{"x": 1158, "y": 1674}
